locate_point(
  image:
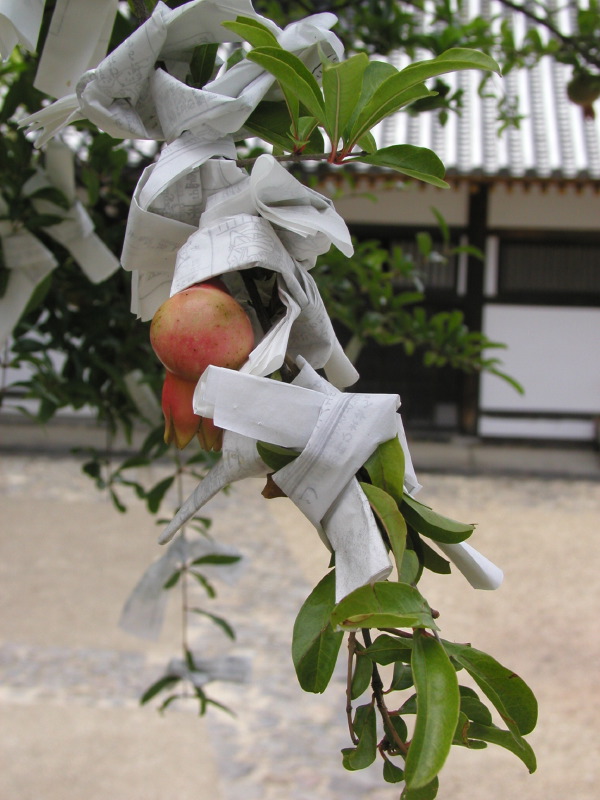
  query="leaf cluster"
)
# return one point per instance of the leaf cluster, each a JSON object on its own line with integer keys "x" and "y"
{"x": 424, "y": 681}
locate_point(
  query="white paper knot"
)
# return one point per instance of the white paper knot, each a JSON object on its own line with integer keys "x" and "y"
{"x": 128, "y": 97}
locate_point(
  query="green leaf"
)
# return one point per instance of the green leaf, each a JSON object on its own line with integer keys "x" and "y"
{"x": 416, "y": 162}
{"x": 390, "y": 97}
{"x": 293, "y": 76}
{"x": 315, "y": 644}
{"x": 429, "y": 523}
{"x": 52, "y": 195}
{"x": 202, "y": 63}
{"x": 252, "y": 31}
{"x": 156, "y": 495}
{"x": 402, "y": 677}
{"x": 222, "y": 623}
{"x": 453, "y": 60}
{"x": 367, "y": 143}
{"x": 383, "y": 605}
{"x": 433, "y": 561}
{"x": 206, "y": 584}
{"x": 438, "y": 703}
{"x": 386, "y": 509}
{"x": 158, "y": 686}
{"x": 275, "y": 456}
{"x": 386, "y": 468}
{"x": 365, "y": 725}
{"x": 411, "y": 567}
{"x": 512, "y": 698}
{"x": 271, "y": 122}
{"x": 392, "y": 773}
{"x": 342, "y": 85}
{"x": 389, "y": 649}
{"x": 375, "y": 74}
{"x": 506, "y": 739}
{"x": 216, "y": 558}
{"x": 472, "y": 706}
{"x": 428, "y": 792}
{"x": 361, "y": 677}
{"x": 172, "y": 580}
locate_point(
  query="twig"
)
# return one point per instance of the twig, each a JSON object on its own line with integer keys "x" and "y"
{"x": 351, "y": 652}
{"x": 294, "y": 157}
{"x": 377, "y": 686}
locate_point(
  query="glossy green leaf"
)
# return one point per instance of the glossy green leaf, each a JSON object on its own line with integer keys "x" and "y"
{"x": 388, "y": 649}
{"x": 392, "y": 773}
{"x": 415, "y": 162}
{"x": 385, "y": 467}
{"x": 411, "y": 568}
{"x": 361, "y": 677}
{"x": 472, "y": 706}
{"x": 342, "y": 85}
{"x": 453, "y": 60}
{"x": 438, "y": 702}
{"x": 367, "y": 143}
{"x": 275, "y": 456}
{"x": 202, "y": 63}
{"x": 461, "y": 735}
{"x": 383, "y": 605}
{"x": 365, "y": 725}
{"x": 271, "y": 122}
{"x": 391, "y": 96}
{"x": 386, "y": 510}
{"x": 315, "y": 645}
{"x": 293, "y": 76}
{"x": 429, "y": 523}
{"x": 512, "y": 698}
{"x": 428, "y": 792}
{"x": 433, "y": 561}
{"x": 402, "y": 677}
{"x": 506, "y": 739}
{"x": 252, "y": 31}
{"x": 375, "y": 74}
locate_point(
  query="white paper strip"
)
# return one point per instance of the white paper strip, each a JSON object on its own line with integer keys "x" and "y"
{"x": 477, "y": 569}
{"x": 77, "y": 40}
{"x": 127, "y": 97}
{"x": 144, "y": 610}
{"x": 20, "y": 22}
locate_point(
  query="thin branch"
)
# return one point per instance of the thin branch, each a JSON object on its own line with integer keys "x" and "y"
{"x": 140, "y": 11}
{"x": 569, "y": 41}
{"x": 294, "y": 157}
{"x": 378, "y": 691}
{"x": 351, "y": 653}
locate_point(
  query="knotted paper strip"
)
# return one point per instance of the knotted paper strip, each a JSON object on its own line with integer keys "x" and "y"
{"x": 128, "y": 97}
{"x": 144, "y": 610}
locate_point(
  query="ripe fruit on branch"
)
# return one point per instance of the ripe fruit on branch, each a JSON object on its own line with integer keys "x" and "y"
{"x": 199, "y": 326}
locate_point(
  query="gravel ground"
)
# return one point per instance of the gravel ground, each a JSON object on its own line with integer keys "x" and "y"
{"x": 68, "y": 562}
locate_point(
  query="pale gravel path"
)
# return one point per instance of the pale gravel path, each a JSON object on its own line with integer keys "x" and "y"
{"x": 284, "y": 744}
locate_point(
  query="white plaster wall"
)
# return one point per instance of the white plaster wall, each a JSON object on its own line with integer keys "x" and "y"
{"x": 407, "y": 205}
{"x": 554, "y": 352}
{"x": 553, "y": 208}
